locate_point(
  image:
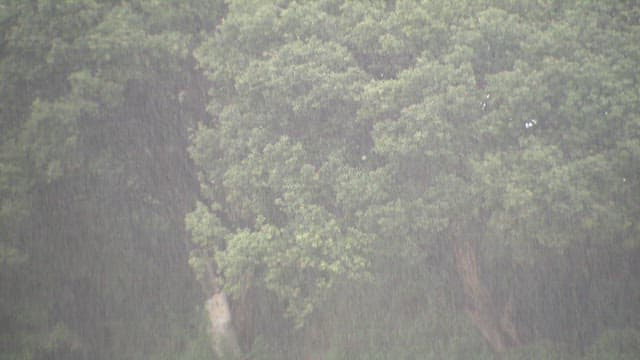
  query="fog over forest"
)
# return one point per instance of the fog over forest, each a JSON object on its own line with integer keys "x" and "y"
{"x": 319, "y": 180}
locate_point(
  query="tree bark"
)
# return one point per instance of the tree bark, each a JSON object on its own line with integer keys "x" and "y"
{"x": 223, "y": 337}
{"x": 496, "y": 327}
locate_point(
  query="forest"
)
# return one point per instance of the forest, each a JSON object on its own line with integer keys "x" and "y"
{"x": 319, "y": 180}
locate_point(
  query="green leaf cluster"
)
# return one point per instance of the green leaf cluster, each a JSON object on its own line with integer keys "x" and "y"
{"x": 350, "y": 144}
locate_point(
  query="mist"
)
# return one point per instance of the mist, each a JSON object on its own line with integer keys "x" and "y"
{"x": 323, "y": 180}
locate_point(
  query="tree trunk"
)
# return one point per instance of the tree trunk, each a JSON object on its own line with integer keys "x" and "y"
{"x": 223, "y": 337}
{"x": 495, "y": 326}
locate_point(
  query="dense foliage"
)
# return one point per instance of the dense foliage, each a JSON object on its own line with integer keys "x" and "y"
{"x": 365, "y": 180}
{"x": 96, "y": 101}
{"x": 409, "y": 179}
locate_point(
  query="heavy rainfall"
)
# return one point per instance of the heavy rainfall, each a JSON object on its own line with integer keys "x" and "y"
{"x": 319, "y": 180}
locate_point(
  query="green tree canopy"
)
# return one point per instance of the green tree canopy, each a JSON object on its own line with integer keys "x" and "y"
{"x": 96, "y": 101}
{"x": 488, "y": 147}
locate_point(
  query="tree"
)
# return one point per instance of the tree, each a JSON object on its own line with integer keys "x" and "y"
{"x": 97, "y": 100}
{"x": 487, "y": 147}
